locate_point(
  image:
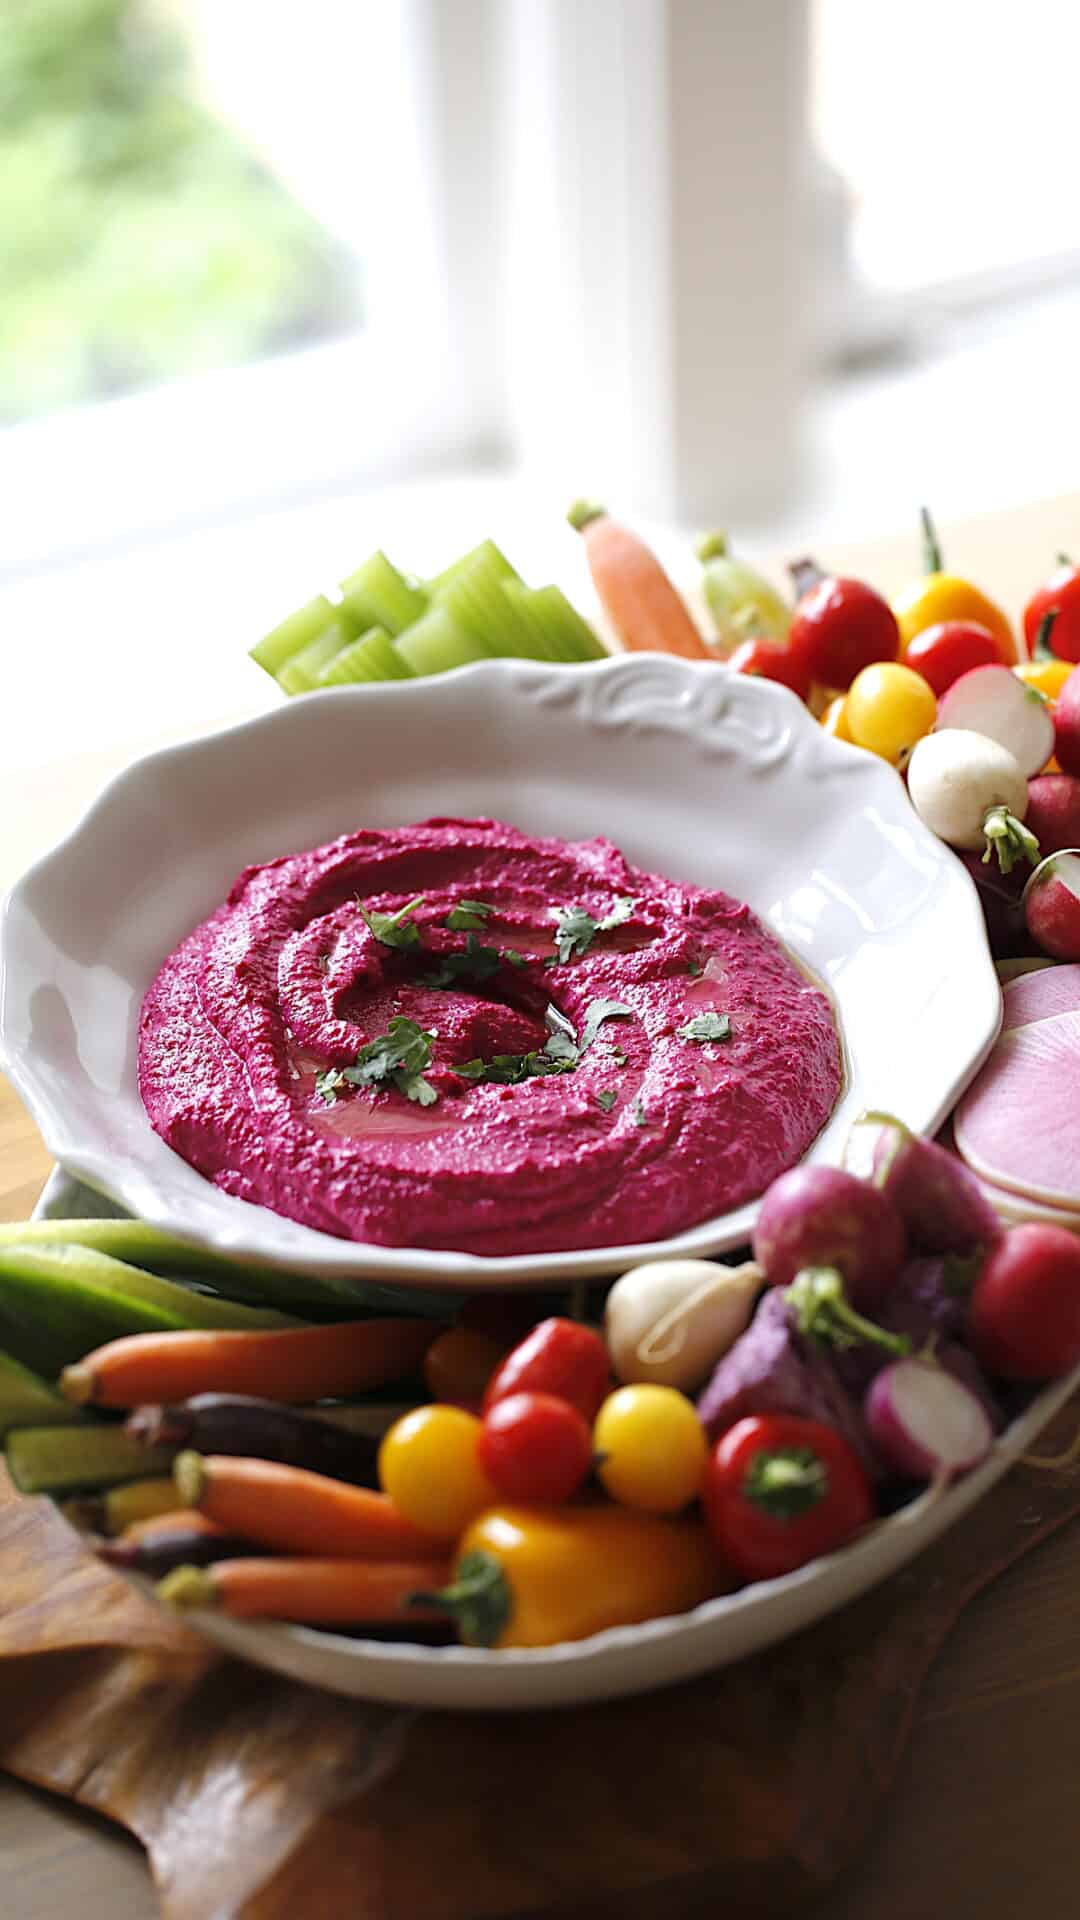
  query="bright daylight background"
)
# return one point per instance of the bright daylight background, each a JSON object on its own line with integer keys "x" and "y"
{"x": 281, "y": 284}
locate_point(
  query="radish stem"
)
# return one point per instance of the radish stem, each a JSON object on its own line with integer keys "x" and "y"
{"x": 823, "y": 1312}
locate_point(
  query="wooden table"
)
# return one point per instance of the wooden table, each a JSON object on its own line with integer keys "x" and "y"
{"x": 983, "y": 1816}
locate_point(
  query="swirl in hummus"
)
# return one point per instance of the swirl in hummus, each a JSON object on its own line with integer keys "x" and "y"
{"x": 530, "y": 1116}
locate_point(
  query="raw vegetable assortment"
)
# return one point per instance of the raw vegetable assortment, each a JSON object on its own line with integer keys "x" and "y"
{"x": 724, "y": 1425}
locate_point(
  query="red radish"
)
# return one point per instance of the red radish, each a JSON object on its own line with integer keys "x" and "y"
{"x": 1018, "y": 1124}
{"x": 971, "y": 793}
{"x": 1053, "y": 811}
{"x": 824, "y": 1217}
{"x": 994, "y": 702}
{"x": 952, "y": 648}
{"x": 1052, "y": 905}
{"x": 1040, "y": 995}
{"x": 1024, "y": 1314}
{"x": 1067, "y": 725}
{"x": 937, "y": 1199}
{"x": 923, "y": 1421}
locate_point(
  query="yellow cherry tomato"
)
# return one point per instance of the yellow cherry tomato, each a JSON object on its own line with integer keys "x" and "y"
{"x": 888, "y": 708}
{"x": 834, "y": 718}
{"x": 1046, "y": 676}
{"x": 428, "y": 1467}
{"x": 652, "y": 1448}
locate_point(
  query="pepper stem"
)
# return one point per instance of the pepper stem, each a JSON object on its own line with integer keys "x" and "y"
{"x": 786, "y": 1481}
{"x": 824, "y": 1313}
{"x": 805, "y": 575}
{"x": 711, "y": 546}
{"x": 479, "y": 1598}
{"x": 931, "y": 545}
{"x": 1042, "y": 650}
{"x": 1009, "y": 839}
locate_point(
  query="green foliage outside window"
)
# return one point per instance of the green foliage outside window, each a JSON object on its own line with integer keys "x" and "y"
{"x": 139, "y": 238}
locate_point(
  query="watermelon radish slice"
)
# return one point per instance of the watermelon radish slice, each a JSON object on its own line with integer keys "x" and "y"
{"x": 1018, "y": 1125}
{"x": 993, "y": 702}
{"x": 1041, "y": 995}
{"x": 1017, "y": 1211}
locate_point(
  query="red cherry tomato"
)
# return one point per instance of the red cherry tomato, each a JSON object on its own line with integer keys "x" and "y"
{"x": 840, "y": 627}
{"x": 560, "y": 1357}
{"x": 1060, "y": 596}
{"x": 459, "y": 1364}
{"x": 1024, "y": 1312}
{"x": 534, "y": 1447}
{"x": 771, "y": 662}
{"x": 942, "y": 653}
{"x": 779, "y": 1490}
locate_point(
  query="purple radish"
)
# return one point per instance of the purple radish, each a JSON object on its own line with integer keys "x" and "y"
{"x": 999, "y": 897}
{"x": 825, "y": 1217}
{"x": 1018, "y": 1124}
{"x": 971, "y": 792}
{"x": 924, "y": 1422}
{"x": 934, "y": 1194}
{"x": 992, "y": 701}
{"x": 1052, "y": 905}
{"x": 1041, "y": 994}
{"x": 1053, "y": 813}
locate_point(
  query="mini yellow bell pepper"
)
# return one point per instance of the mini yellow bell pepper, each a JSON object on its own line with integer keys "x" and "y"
{"x": 945, "y": 596}
{"x": 532, "y": 1576}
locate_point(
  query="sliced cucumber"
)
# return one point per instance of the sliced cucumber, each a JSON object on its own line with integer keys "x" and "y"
{"x": 59, "y": 1302}
{"x": 373, "y": 657}
{"x": 301, "y": 673}
{"x": 438, "y": 642}
{"x": 379, "y": 596}
{"x": 287, "y": 639}
{"x": 26, "y": 1400}
{"x": 487, "y": 553}
{"x": 133, "y": 1241}
{"x": 62, "y": 1459}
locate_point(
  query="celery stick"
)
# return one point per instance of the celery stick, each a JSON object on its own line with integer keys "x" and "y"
{"x": 438, "y": 642}
{"x": 373, "y": 657}
{"x": 562, "y": 623}
{"x": 60, "y": 1459}
{"x": 382, "y": 596}
{"x": 487, "y": 553}
{"x": 26, "y": 1400}
{"x": 300, "y": 674}
{"x": 478, "y": 602}
{"x": 294, "y": 633}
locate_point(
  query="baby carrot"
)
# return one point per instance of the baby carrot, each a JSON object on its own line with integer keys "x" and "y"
{"x": 319, "y": 1592}
{"x": 640, "y": 601}
{"x": 299, "y": 1363}
{"x": 183, "y": 1538}
{"x": 296, "y": 1511}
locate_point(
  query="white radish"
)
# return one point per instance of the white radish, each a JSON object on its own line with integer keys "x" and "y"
{"x": 972, "y": 794}
{"x": 994, "y": 702}
{"x": 924, "y": 1422}
{"x": 670, "y": 1321}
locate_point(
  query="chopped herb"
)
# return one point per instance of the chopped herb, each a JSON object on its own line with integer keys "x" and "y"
{"x": 620, "y": 1058}
{"x": 397, "y": 1058}
{"x": 395, "y": 929}
{"x": 596, "y": 1013}
{"x": 468, "y": 913}
{"x": 559, "y": 1054}
{"x": 560, "y": 1047}
{"x": 513, "y": 958}
{"x": 328, "y": 1082}
{"x": 694, "y": 968}
{"x": 576, "y": 929}
{"x": 606, "y": 1098}
{"x": 471, "y": 962}
{"x": 638, "y": 1113}
{"x": 556, "y": 1021}
{"x": 706, "y": 1026}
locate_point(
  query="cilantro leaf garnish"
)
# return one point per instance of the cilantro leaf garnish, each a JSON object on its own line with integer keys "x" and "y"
{"x": 620, "y": 1058}
{"x": 513, "y": 958}
{"x": 606, "y": 1098}
{"x": 576, "y": 929}
{"x": 596, "y": 1013}
{"x": 638, "y": 1113}
{"x": 706, "y": 1026}
{"x": 468, "y": 913}
{"x": 471, "y": 962}
{"x": 559, "y": 1054}
{"x": 394, "y": 929}
{"x": 328, "y": 1082}
{"x": 397, "y": 1058}
{"x": 694, "y": 968}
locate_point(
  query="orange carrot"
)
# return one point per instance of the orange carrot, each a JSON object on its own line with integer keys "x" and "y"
{"x": 296, "y": 1511}
{"x": 644, "y": 608}
{"x": 296, "y": 1364}
{"x": 142, "y": 1532}
{"x": 325, "y": 1593}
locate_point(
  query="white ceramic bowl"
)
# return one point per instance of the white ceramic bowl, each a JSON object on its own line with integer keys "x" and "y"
{"x": 705, "y": 775}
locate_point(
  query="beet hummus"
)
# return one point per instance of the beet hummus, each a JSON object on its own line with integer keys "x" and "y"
{"x": 452, "y": 1035}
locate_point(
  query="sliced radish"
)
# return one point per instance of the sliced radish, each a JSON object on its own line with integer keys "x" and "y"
{"x": 924, "y": 1422}
{"x": 1018, "y": 1124}
{"x": 1015, "y": 1210}
{"x": 994, "y": 702}
{"x": 1052, "y": 905}
{"x": 1040, "y": 995}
